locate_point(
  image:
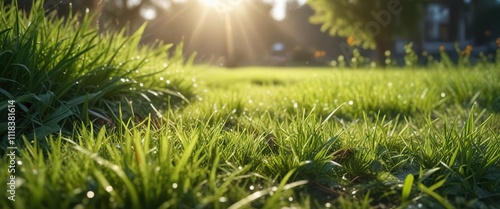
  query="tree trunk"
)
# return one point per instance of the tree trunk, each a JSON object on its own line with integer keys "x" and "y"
{"x": 383, "y": 43}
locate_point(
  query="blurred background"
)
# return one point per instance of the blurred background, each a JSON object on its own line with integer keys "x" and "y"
{"x": 234, "y": 33}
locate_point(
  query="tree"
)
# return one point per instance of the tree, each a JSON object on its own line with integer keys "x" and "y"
{"x": 367, "y": 23}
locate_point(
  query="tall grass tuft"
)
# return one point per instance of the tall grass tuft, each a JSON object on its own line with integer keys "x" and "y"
{"x": 64, "y": 70}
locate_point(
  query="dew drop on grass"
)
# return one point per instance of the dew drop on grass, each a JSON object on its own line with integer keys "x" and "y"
{"x": 161, "y": 78}
{"x": 290, "y": 199}
{"x": 109, "y": 188}
{"x": 274, "y": 189}
{"x": 90, "y": 194}
{"x": 168, "y": 81}
{"x": 351, "y": 102}
{"x": 443, "y": 94}
{"x": 295, "y": 105}
{"x": 251, "y": 187}
{"x": 223, "y": 199}
{"x": 175, "y": 185}
{"x": 328, "y": 205}
{"x": 19, "y": 162}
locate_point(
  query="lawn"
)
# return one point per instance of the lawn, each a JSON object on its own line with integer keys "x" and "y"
{"x": 285, "y": 137}
{"x": 134, "y": 127}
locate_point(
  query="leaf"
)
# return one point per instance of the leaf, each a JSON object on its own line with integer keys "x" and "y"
{"x": 436, "y": 196}
{"x": 407, "y": 186}
{"x": 427, "y": 173}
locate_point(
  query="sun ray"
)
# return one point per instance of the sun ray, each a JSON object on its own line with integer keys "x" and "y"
{"x": 198, "y": 28}
{"x": 229, "y": 37}
{"x": 241, "y": 26}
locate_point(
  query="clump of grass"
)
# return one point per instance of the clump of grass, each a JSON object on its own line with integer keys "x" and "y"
{"x": 303, "y": 138}
{"x": 64, "y": 70}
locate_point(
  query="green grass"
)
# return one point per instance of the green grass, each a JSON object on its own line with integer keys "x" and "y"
{"x": 244, "y": 143}
{"x": 248, "y": 138}
{"x": 62, "y": 70}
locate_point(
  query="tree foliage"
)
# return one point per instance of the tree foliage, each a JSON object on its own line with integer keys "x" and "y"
{"x": 370, "y": 23}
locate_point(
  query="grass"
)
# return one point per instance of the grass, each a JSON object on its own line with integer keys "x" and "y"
{"x": 62, "y": 70}
{"x": 248, "y": 138}
{"x": 247, "y": 144}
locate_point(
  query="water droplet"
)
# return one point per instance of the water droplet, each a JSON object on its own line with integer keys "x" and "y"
{"x": 19, "y": 162}
{"x": 168, "y": 81}
{"x": 90, "y": 194}
{"x": 175, "y": 185}
{"x": 251, "y": 187}
{"x": 295, "y": 105}
{"x": 443, "y": 94}
{"x": 351, "y": 102}
{"x": 109, "y": 188}
{"x": 290, "y": 199}
{"x": 223, "y": 199}
{"x": 328, "y": 205}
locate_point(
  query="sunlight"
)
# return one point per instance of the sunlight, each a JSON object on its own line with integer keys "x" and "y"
{"x": 222, "y": 5}
{"x": 209, "y": 3}
{"x": 279, "y": 10}
{"x": 148, "y": 13}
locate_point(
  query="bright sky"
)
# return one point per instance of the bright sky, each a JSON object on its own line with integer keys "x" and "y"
{"x": 278, "y": 11}
{"x": 279, "y": 8}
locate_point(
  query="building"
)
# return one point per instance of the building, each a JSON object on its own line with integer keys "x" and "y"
{"x": 464, "y": 22}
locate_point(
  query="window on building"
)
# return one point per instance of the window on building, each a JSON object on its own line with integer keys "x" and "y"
{"x": 437, "y": 22}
